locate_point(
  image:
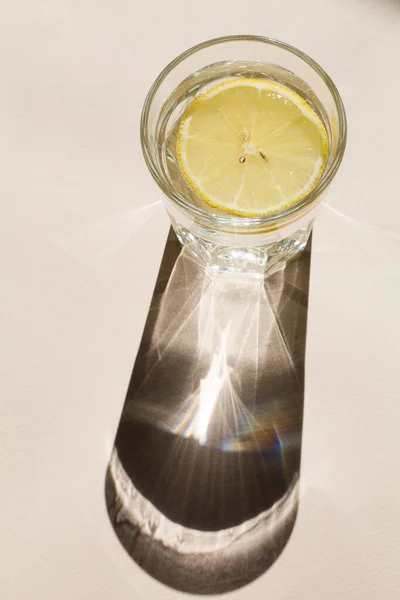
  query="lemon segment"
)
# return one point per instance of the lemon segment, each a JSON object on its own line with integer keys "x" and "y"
{"x": 251, "y": 147}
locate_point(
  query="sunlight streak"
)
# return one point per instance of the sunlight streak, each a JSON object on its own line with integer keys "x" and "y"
{"x": 103, "y": 239}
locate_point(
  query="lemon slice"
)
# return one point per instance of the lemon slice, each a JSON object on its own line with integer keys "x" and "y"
{"x": 251, "y": 147}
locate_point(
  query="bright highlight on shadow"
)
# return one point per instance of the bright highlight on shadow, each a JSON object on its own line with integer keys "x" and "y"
{"x": 207, "y": 397}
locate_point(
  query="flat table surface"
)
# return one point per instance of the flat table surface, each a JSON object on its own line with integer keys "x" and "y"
{"x": 82, "y": 231}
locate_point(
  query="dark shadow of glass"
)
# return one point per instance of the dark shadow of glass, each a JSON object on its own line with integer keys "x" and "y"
{"x": 202, "y": 487}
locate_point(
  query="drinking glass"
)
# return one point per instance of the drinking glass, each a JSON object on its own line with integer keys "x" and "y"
{"x": 226, "y": 242}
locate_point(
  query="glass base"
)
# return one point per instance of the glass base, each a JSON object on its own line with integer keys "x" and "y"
{"x": 256, "y": 260}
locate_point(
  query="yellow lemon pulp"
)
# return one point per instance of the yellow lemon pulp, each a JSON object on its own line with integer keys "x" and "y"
{"x": 251, "y": 147}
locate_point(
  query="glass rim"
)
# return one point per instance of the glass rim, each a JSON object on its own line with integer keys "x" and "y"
{"x": 232, "y": 220}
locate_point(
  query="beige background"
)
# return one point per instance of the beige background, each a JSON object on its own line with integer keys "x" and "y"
{"x": 82, "y": 233}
